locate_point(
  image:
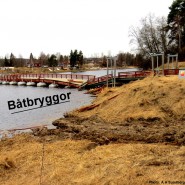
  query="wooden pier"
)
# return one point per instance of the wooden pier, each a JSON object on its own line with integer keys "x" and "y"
{"x": 71, "y": 80}
{"x": 83, "y": 81}
{"x": 122, "y": 78}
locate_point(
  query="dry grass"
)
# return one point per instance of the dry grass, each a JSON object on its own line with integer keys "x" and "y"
{"x": 181, "y": 64}
{"x": 83, "y": 162}
{"x": 154, "y": 98}
{"x": 74, "y": 162}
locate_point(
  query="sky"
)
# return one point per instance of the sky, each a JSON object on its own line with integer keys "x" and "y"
{"x": 58, "y": 26}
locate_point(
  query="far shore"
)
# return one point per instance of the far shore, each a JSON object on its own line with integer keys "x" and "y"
{"x": 36, "y": 70}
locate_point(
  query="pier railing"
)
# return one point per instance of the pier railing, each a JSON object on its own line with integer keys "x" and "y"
{"x": 90, "y": 79}
{"x": 171, "y": 71}
{"x": 133, "y": 74}
{"x": 16, "y": 77}
{"x": 100, "y": 79}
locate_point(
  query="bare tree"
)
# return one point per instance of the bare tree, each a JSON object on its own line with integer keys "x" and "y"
{"x": 151, "y": 36}
{"x": 66, "y": 61}
{"x": 43, "y": 58}
{"x": 61, "y": 61}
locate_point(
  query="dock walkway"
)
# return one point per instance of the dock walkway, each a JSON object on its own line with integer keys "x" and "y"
{"x": 83, "y": 81}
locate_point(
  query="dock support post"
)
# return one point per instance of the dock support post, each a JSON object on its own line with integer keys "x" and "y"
{"x": 107, "y": 73}
{"x": 115, "y": 58}
{"x": 152, "y": 63}
{"x": 163, "y": 62}
{"x": 176, "y": 61}
{"x": 112, "y": 71}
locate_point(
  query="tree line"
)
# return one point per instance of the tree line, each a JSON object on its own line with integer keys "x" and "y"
{"x": 74, "y": 59}
{"x": 161, "y": 34}
{"x": 128, "y": 59}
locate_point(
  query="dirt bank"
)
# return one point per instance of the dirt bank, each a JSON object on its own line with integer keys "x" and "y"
{"x": 102, "y": 132}
{"x": 154, "y": 98}
{"x": 148, "y": 111}
{"x": 134, "y": 134}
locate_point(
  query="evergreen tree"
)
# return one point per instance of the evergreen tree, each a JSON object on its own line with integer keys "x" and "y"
{"x": 80, "y": 59}
{"x": 6, "y": 62}
{"x": 176, "y": 24}
{"x": 12, "y": 60}
{"x": 76, "y": 58}
{"x": 72, "y": 59}
{"x": 52, "y": 61}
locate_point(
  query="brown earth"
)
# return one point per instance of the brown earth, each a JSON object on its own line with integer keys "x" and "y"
{"x": 98, "y": 130}
{"x": 148, "y": 111}
{"x": 134, "y": 134}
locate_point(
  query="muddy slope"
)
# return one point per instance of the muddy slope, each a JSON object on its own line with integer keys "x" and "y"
{"x": 150, "y": 111}
{"x": 98, "y": 130}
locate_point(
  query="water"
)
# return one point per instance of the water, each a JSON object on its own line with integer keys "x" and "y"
{"x": 99, "y": 73}
{"x": 45, "y": 115}
{"x": 41, "y": 116}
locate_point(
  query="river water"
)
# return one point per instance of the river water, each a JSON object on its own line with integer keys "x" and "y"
{"x": 99, "y": 73}
{"x": 39, "y": 116}
{"x": 13, "y": 119}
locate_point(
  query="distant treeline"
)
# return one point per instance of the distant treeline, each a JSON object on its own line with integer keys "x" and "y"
{"x": 75, "y": 59}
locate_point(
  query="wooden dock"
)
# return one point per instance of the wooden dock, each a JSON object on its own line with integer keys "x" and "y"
{"x": 83, "y": 81}
{"x": 71, "y": 80}
{"x": 122, "y": 78}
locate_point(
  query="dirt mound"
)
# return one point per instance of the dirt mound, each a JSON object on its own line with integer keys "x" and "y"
{"x": 102, "y": 132}
{"x": 154, "y": 98}
{"x": 147, "y": 111}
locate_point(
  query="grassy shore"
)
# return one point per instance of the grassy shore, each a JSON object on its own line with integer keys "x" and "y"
{"x": 134, "y": 135}
{"x": 153, "y": 98}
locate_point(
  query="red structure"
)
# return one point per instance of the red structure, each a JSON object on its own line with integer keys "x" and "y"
{"x": 72, "y": 79}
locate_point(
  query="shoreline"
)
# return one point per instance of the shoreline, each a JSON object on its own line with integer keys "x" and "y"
{"x": 86, "y": 121}
{"x": 100, "y": 144}
{"x": 24, "y": 70}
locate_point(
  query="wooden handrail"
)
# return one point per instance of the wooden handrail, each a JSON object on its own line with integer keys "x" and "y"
{"x": 70, "y": 76}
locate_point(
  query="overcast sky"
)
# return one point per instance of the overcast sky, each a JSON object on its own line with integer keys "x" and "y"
{"x": 51, "y": 26}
